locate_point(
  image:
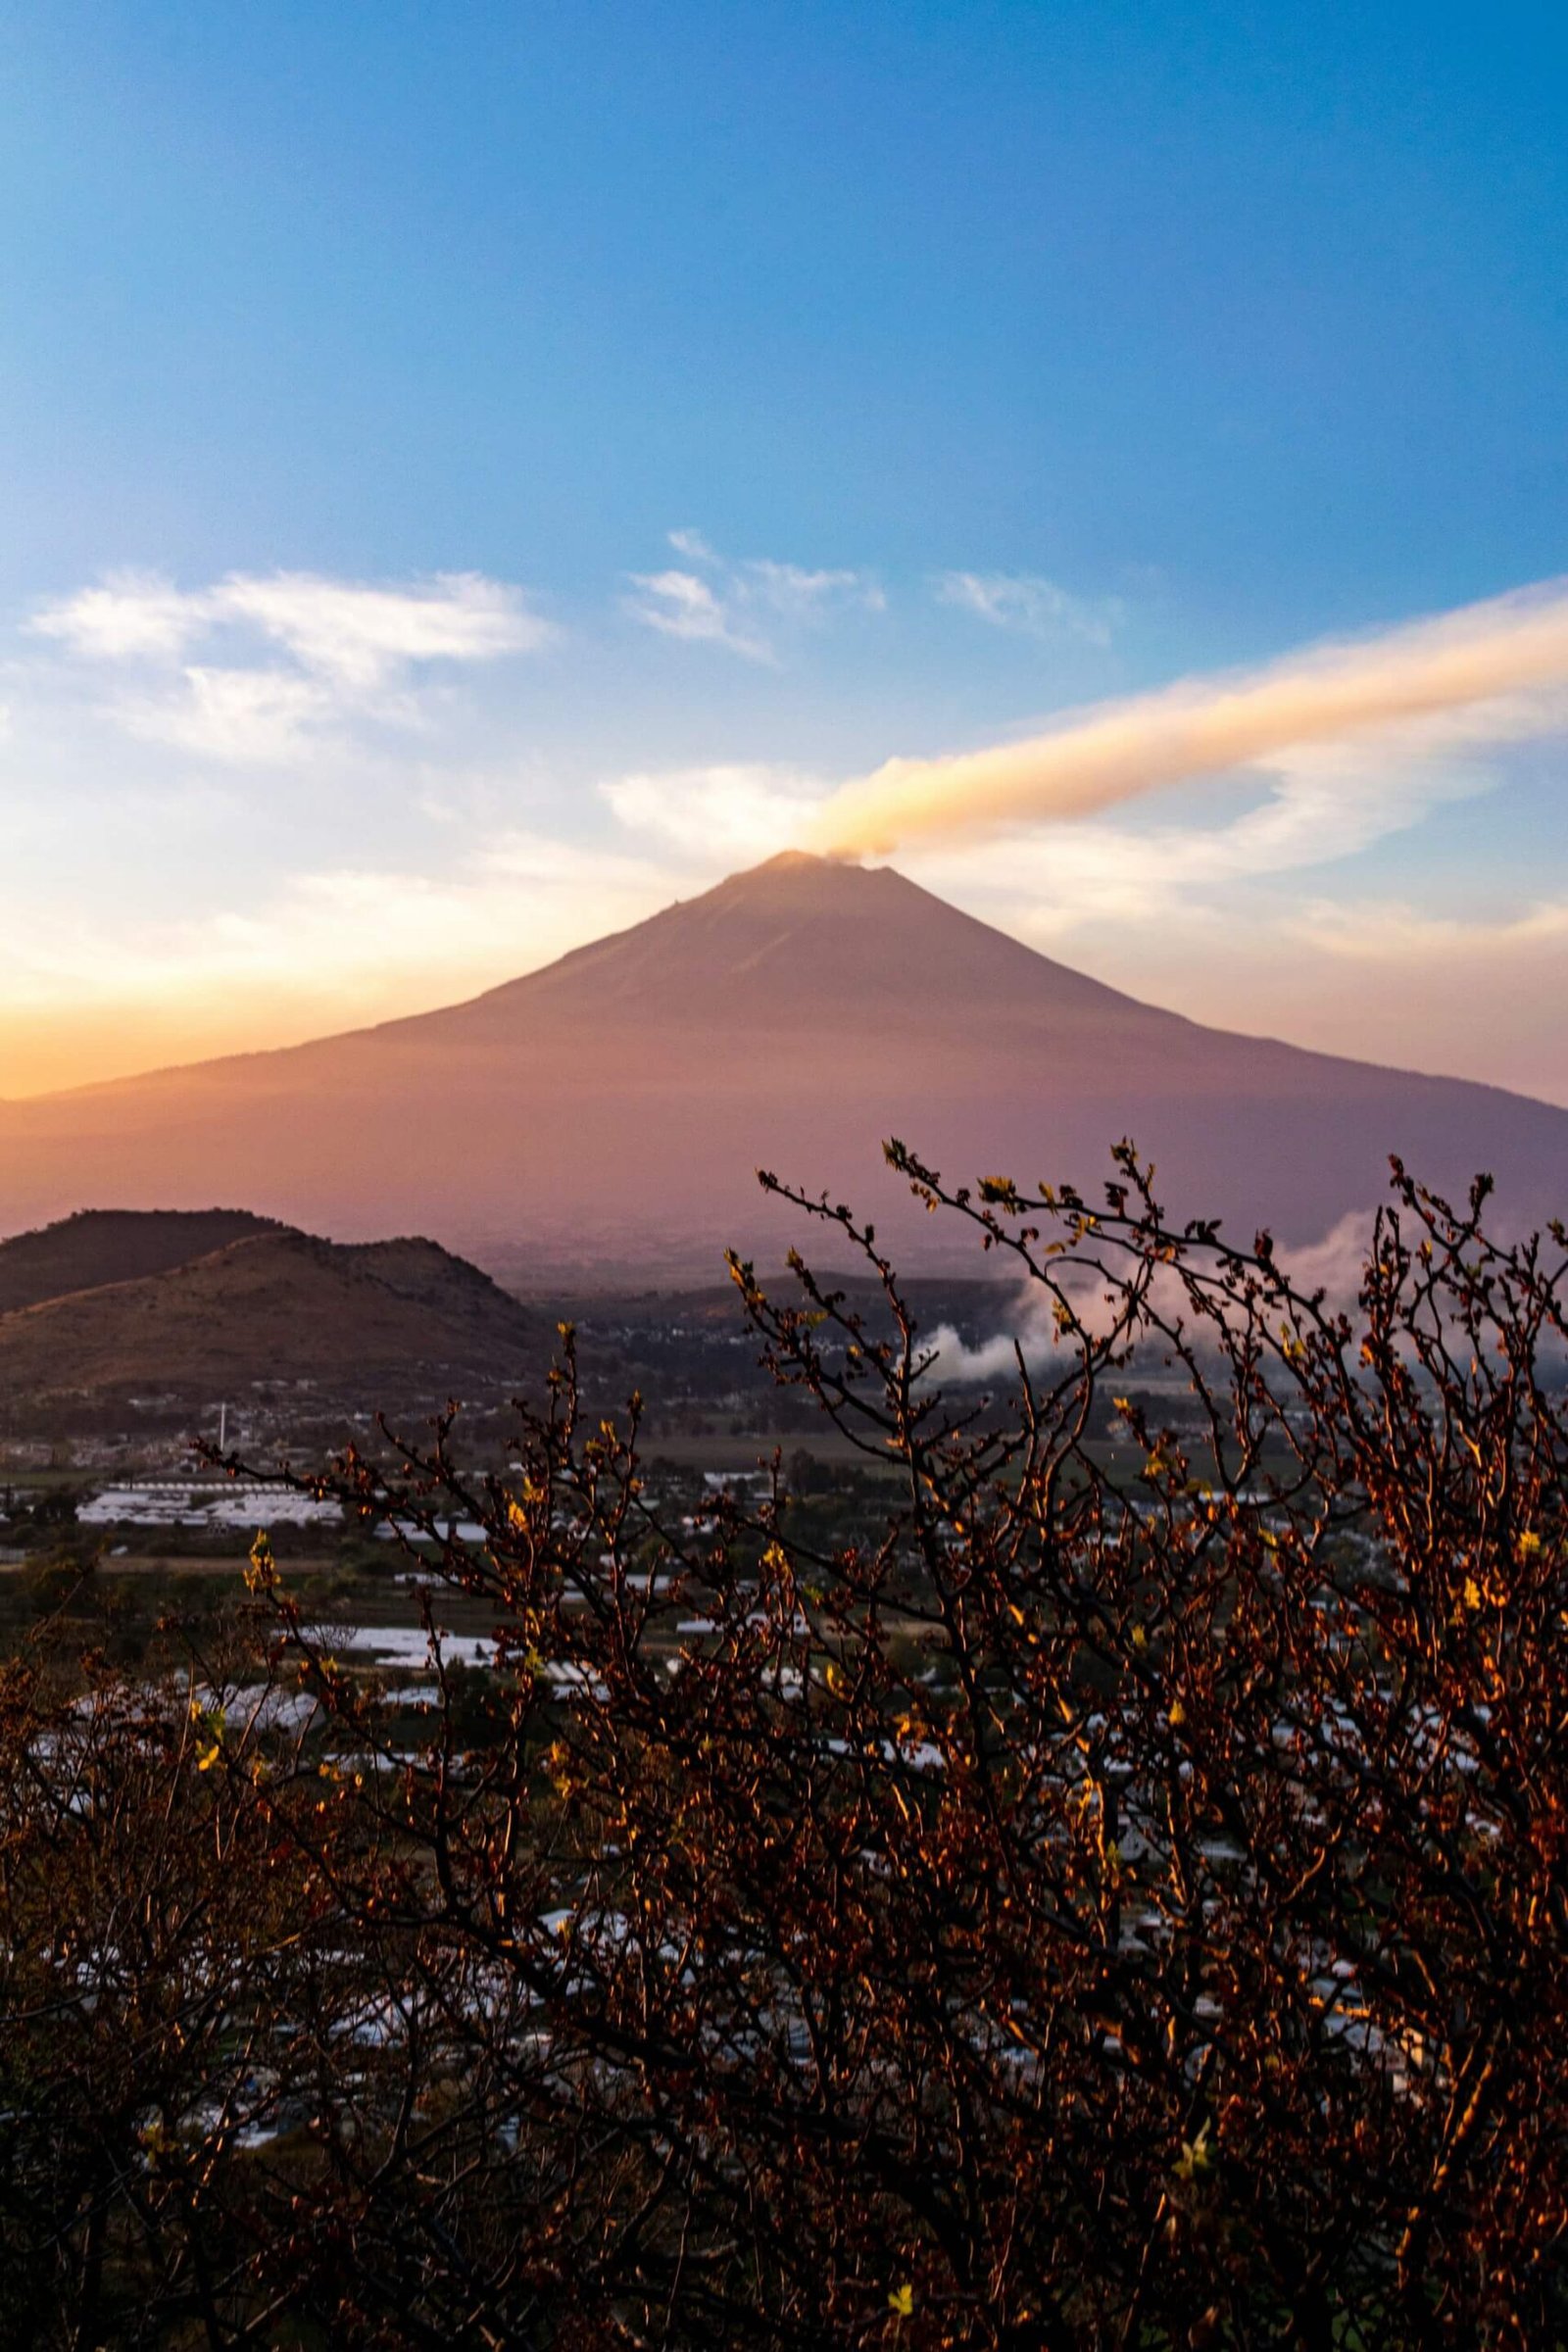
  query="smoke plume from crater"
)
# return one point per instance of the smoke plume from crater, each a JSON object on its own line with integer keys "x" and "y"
{"x": 1458, "y": 662}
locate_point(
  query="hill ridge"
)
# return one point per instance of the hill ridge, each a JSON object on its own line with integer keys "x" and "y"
{"x": 274, "y": 1304}
{"x": 92, "y": 1247}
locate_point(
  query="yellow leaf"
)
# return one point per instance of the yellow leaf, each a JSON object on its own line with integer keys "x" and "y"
{"x": 901, "y": 2302}
{"x": 1197, "y": 2157}
{"x": 261, "y": 1575}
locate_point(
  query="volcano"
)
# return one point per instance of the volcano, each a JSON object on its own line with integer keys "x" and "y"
{"x": 606, "y": 1115}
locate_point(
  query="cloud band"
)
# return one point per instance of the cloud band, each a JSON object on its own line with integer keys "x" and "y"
{"x": 1458, "y": 661}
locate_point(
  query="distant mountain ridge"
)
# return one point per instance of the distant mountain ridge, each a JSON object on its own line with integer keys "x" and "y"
{"x": 610, "y": 1111}
{"x": 272, "y": 1305}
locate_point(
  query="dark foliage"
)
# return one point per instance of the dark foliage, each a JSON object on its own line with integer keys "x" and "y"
{"x": 1126, "y": 1904}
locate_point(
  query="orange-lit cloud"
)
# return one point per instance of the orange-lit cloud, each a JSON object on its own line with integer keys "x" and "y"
{"x": 1469, "y": 662}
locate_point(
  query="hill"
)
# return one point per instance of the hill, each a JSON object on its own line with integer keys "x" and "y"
{"x": 95, "y": 1246}
{"x": 276, "y": 1305}
{"x": 609, "y": 1112}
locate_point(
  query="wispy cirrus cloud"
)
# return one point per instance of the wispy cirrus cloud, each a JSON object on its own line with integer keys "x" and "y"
{"x": 360, "y": 634}
{"x": 354, "y": 630}
{"x": 300, "y": 651}
{"x": 1031, "y": 605}
{"x": 1391, "y": 931}
{"x": 742, "y": 606}
{"x": 125, "y": 617}
{"x": 247, "y": 716}
{"x": 681, "y": 603}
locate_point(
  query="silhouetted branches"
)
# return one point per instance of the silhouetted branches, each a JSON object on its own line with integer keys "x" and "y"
{"x": 1117, "y": 1899}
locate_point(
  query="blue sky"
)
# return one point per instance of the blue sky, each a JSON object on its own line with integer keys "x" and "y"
{"x": 985, "y": 360}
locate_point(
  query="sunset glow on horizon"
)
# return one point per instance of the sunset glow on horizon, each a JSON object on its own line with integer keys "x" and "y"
{"x": 1099, "y": 472}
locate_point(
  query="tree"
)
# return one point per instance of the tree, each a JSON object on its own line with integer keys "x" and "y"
{"x": 1119, "y": 1904}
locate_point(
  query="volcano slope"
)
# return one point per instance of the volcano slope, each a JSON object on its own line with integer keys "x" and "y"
{"x": 608, "y": 1114}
